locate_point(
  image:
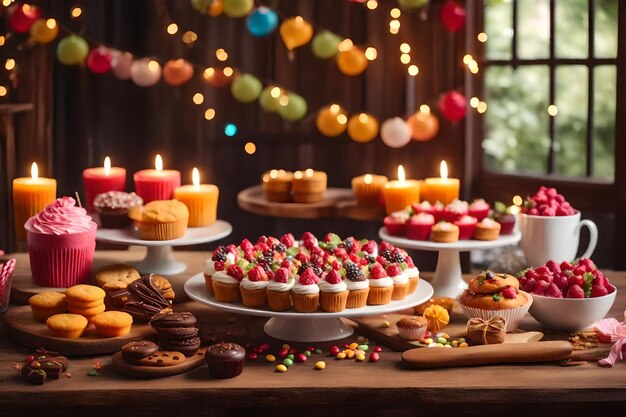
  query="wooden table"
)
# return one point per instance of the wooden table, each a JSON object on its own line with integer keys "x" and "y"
{"x": 344, "y": 388}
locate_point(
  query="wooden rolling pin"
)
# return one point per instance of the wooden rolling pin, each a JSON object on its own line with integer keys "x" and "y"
{"x": 487, "y": 354}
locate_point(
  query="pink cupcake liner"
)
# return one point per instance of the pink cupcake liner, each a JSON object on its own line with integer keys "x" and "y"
{"x": 479, "y": 214}
{"x": 511, "y": 316}
{"x": 418, "y": 231}
{"x": 6, "y": 277}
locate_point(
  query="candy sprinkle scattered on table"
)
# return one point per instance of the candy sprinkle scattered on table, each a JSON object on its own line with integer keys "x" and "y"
{"x": 281, "y": 368}
{"x": 320, "y": 365}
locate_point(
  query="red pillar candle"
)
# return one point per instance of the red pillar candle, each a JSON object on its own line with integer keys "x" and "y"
{"x": 101, "y": 180}
{"x": 156, "y": 184}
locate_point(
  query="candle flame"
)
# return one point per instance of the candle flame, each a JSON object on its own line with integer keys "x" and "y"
{"x": 34, "y": 171}
{"x": 195, "y": 177}
{"x": 273, "y": 174}
{"x": 107, "y": 165}
{"x": 298, "y": 175}
{"x": 308, "y": 172}
{"x": 158, "y": 163}
{"x": 401, "y": 174}
{"x": 514, "y": 209}
{"x": 367, "y": 179}
{"x": 443, "y": 170}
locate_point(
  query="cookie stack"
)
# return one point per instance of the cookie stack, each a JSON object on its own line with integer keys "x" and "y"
{"x": 177, "y": 332}
{"x": 86, "y": 300}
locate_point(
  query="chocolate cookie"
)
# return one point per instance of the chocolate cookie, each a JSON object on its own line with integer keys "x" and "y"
{"x": 225, "y": 360}
{"x": 175, "y": 333}
{"x": 162, "y": 358}
{"x": 169, "y": 320}
{"x": 187, "y": 346}
{"x": 138, "y": 350}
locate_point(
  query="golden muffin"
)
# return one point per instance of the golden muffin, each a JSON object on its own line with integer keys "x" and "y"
{"x": 489, "y": 282}
{"x": 163, "y": 220}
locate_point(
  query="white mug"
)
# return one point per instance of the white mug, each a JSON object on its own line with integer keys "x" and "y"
{"x": 554, "y": 238}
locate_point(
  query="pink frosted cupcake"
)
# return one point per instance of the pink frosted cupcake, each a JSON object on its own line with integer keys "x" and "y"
{"x": 396, "y": 223}
{"x": 438, "y": 211}
{"x": 455, "y": 210}
{"x": 61, "y": 243}
{"x": 420, "y": 226}
{"x": 479, "y": 209}
{"x": 466, "y": 225}
{"x": 423, "y": 207}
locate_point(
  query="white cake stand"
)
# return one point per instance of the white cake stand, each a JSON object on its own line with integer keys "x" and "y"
{"x": 306, "y": 327}
{"x": 159, "y": 257}
{"x": 448, "y": 280}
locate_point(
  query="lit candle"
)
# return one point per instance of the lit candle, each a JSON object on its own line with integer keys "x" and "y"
{"x": 200, "y": 199}
{"x": 277, "y": 185}
{"x": 101, "y": 180}
{"x": 442, "y": 189}
{"x": 402, "y": 193}
{"x": 156, "y": 184}
{"x": 30, "y": 196}
{"x": 368, "y": 189}
{"x": 309, "y": 186}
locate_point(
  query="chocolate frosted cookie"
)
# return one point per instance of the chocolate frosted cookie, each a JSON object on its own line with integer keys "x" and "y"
{"x": 141, "y": 299}
{"x": 225, "y": 360}
{"x": 138, "y": 350}
{"x": 170, "y": 320}
{"x": 187, "y": 346}
{"x": 174, "y": 333}
{"x": 177, "y": 331}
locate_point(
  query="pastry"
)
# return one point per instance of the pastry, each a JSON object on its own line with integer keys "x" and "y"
{"x": 412, "y": 327}
{"x": 253, "y": 287}
{"x": 413, "y": 273}
{"x": 486, "y": 332}
{"x": 420, "y": 226}
{"x": 333, "y": 292}
{"x": 308, "y": 186}
{"x": 357, "y": 285}
{"x": 445, "y": 232}
{"x": 368, "y": 189}
{"x": 141, "y": 299}
{"x": 381, "y": 286}
{"x": 487, "y": 229}
{"x": 113, "y": 208}
{"x": 46, "y": 304}
{"x": 466, "y": 225}
{"x": 162, "y": 220}
{"x": 396, "y": 223}
{"x": 161, "y": 358}
{"x": 44, "y": 365}
{"x": 226, "y": 284}
{"x": 400, "y": 281}
{"x": 61, "y": 244}
{"x": 277, "y": 185}
{"x": 479, "y": 209}
{"x": 305, "y": 293}
{"x": 279, "y": 290}
{"x": 437, "y": 316}
{"x": 133, "y": 351}
{"x": 69, "y": 326}
{"x": 112, "y": 323}
{"x": 225, "y": 360}
{"x": 116, "y": 277}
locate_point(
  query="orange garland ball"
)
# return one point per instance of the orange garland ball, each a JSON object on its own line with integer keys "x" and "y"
{"x": 352, "y": 61}
{"x": 331, "y": 120}
{"x": 177, "y": 72}
{"x": 424, "y": 126}
{"x": 216, "y": 8}
{"x": 362, "y": 127}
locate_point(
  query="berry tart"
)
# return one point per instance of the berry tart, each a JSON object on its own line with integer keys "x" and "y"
{"x": 412, "y": 272}
{"x": 253, "y": 287}
{"x": 306, "y": 292}
{"x": 114, "y": 207}
{"x": 487, "y": 229}
{"x": 400, "y": 281}
{"x": 479, "y": 209}
{"x": 222, "y": 255}
{"x": 445, "y": 232}
{"x": 333, "y": 292}
{"x": 420, "y": 226}
{"x": 357, "y": 285}
{"x": 466, "y": 225}
{"x": 226, "y": 283}
{"x": 381, "y": 286}
{"x": 279, "y": 289}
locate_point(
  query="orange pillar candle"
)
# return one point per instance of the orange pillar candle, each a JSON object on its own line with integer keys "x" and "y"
{"x": 156, "y": 184}
{"x": 30, "y": 196}
{"x": 368, "y": 189}
{"x": 101, "y": 180}
{"x": 402, "y": 193}
{"x": 200, "y": 199}
{"x": 443, "y": 189}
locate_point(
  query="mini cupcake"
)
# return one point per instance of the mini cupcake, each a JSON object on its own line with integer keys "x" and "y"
{"x": 438, "y": 209}
{"x": 67, "y": 326}
{"x": 455, "y": 210}
{"x": 226, "y": 284}
{"x": 357, "y": 285}
{"x": 225, "y": 360}
{"x": 412, "y": 327}
{"x": 413, "y": 273}
{"x": 221, "y": 258}
{"x": 112, "y": 323}
{"x": 487, "y": 229}
{"x": 279, "y": 290}
{"x": 162, "y": 220}
{"x": 113, "y": 208}
{"x": 46, "y": 304}
{"x": 400, "y": 281}
{"x": 396, "y": 223}
{"x": 420, "y": 226}
{"x": 306, "y": 292}
{"x": 381, "y": 286}
{"x": 61, "y": 244}
{"x": 502, "y": 215}
{"x": 466, "y": 225}
{"x": 445, "y": 232}
{"x": 479, "y": 209}
{"x": 333, "y": 292}
{"x": 423, "y": 207}
{"x": 253, "y": 287}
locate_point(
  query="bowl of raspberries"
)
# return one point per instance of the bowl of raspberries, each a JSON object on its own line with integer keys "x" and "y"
{"x": 568, "y": 295}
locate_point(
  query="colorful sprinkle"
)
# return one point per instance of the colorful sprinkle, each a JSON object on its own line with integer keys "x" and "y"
{"x": 320, "y": 365}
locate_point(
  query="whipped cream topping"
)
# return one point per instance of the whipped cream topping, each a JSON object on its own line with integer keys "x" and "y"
{"x": 281, "y": 286}
{"x": 400, "y": 279}
{"x": 458, "y": 206}
{"x": 488, "y": 222}
{"x": 326, "y": 286}
{"x": 400, "y": 216}
{"x": 381, "y": 282}
{"x": 223, "y": 277}
{"x": 479, "y": 204}
{"x": 306, "y": 289}
{"x": 356, "y": 285}
{"x": 62, "y": 217}
{"x": 209, "y": 267}
{"x": 412, "y": 272}
{"x": 253, "y": 285}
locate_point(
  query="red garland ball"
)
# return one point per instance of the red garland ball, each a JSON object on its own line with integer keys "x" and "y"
{"x": 452, "y": 16}
{"x": 22, "y": 17}
{"x": 453, "y": 106}
{"x": 99, "y": 60}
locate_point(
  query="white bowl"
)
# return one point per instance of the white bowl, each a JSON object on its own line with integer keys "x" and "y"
{"x": 570, "y": 313}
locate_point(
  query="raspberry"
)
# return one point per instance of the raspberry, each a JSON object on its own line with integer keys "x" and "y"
{"x": 317, "y": 260}
{"x": 363, "y": 262}
{"x": 302, "y": 257}
{"x": 281, "y": 275}
{"x": 279, "y": 247}
{"x": 261, "y": 239}
{"x": 562, "y": 211}
{"x": 246, "y": 245}
{"x": 288, "y": 240}
{"x": 232, "y": 249}
{"x": 381, "y": 260}
{"x": 553, "y": 291}
{"x": 553, "y": 267}
{"x": 509, "y": 292}
{"x": 309, "y": 277}
{"x": 575, "y": 291}
{"x": 336, "y": 265}
{"x": 340, "y": 253}
{"x": 285, "y": 264}
{"x": 378, "y": 272}
{"x": 522, "y": 281}
{"x": 353, "y": 272}
{"x": 308, "y": 236}
{"x": 541, "y": 287}
{"x": 219, "y": 265}
{"x": 600, "y": 280}
{"x": 533, "y": 211}
{"x": 394, "y": 270}
{"x": 369, "y": 247}
{"x": 354, "y": 258}
{"x": 333, "y": 277}
{"x": 257, "y": 273}
{"x": 409, "y": 262}
{"x": 542, "y": 270}
{"x": 587, "y": 264}
{"x": 598, "y": 291}
{"x": 235, "y": 271}
{"x": 530, "y": 273}
{"x": 530, "y": 285}
{"x": 261, "y": 247}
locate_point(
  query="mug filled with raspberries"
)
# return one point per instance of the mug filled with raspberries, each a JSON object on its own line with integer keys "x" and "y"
{"x": 568, "y": 295}
{"x": 551, "y": 227}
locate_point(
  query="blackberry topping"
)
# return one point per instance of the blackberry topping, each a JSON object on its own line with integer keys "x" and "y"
{"x": 386, "y": 254}
{"x": 268, "y": 254}
{"x": 370, "y": 258}
{"x": 318, "y": 271}
{"x": 353, "y": 272}
{"x": 267, "y": 267}
{"x": 348, "y": 243}
{"x": 304, "y": 267}
{"x": 280, "y": 248}
{"x": 267, "y": 260}
{"x": 398, "y": 258}
{"x": 490, "y": 275}
{"x": 218, "y": 256}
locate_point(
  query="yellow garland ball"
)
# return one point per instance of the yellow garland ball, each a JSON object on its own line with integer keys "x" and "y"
{"x": 295, "y": 32}
{"x": 237, "y": 8}
{"x": 362, "y": 127}
{"x": 352, "y": 61}
{"x": 331, "y": 120}
{"x": 44, "y": 30}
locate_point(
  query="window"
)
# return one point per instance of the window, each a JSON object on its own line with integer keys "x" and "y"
{"x": 549, "y": 74}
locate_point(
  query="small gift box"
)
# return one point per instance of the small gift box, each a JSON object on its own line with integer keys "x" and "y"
{"x": 486, "y": 332}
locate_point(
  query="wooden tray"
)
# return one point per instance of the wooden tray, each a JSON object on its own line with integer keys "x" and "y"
{"x": 19, "y": 323}
{"x": 128, "y": 369}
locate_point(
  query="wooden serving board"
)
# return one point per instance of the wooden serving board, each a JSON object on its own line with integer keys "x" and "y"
{"x": 20, "y": 324}
{"x": 138, "y": 371}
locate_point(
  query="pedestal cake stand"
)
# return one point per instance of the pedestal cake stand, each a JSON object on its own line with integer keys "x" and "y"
{"x": 159, "y": 257}
{"x": 306, "y": 327}
{"x": 448, "y": 280}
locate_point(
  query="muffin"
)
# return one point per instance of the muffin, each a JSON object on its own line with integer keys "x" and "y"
{"x": 479, "y": 209}
{"x": 357, "y": 285}
{"x": 112, "y": 323}
{"x": 493, "y": 294}
{"x": 445, "y": 232}
{"x": 381, "y": 286}
{"x": 226, "y": 284}
{"x": 225, "y": 360}
{"x": 333, "y": 292}
{"x": 412, "y": 327}
{"x": 113, "y": 208}
{"x": 420, "y": 226}
{"x": 306, "y": 292}
{"x": 309, "y": 186}
{"x": 466, "y": 225}
{"x": 400, "y": 281}
{"x": 46, "y": 304}
{"x": 278, "y": 290}
{"x": 253, "y": 287}
{"x": 487, "y": 229}
{"x": 68, "y": 326}
{"x": 162, "y": 220}
{"x": 61, "y": 244}
{"x": 277, "y": 185}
